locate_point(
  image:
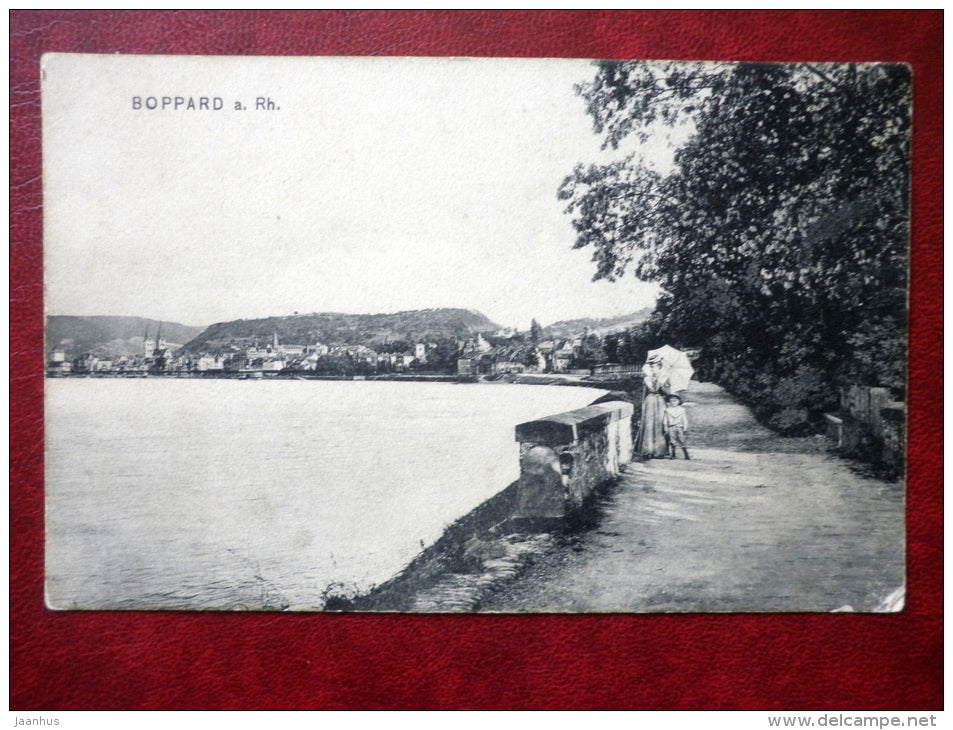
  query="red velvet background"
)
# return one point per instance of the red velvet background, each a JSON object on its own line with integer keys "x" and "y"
{"x": 95, "y": 660}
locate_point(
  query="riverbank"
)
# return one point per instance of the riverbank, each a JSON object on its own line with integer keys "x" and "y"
{"x": 477, "y": 556}
{"x": 507, "y": 378}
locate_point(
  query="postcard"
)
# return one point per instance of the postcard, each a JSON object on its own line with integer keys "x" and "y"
{"x": 442, "y": 335}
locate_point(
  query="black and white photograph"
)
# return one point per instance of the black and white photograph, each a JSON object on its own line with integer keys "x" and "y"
{"x": 475, "y": 335}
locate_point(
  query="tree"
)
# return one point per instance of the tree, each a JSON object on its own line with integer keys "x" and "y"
{"x": 590, "y": 352}
{"x": 444, "y": 356}
{"x": 780, "y": 234}
{"x": 610, "y": 344}
{"x": 535, "y": 331}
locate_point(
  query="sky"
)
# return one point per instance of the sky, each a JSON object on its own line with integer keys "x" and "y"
{"x": 375, "y": 185}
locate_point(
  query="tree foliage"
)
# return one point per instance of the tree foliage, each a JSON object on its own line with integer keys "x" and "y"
{"x": 535, "y": 332}
{"x": 591, "y": 352}
{"x": 780, "y": 233}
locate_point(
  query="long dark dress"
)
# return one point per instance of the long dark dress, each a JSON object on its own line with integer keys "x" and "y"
{"x": 650, "y": 441}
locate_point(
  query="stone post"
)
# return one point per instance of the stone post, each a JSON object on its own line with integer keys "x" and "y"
{"x": 565, "y": 457}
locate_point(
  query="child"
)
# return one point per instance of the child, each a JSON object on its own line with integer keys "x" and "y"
{"x": 674, "y": 425}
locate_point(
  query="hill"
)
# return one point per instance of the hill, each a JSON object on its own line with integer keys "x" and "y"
{"x": 601, "y": 327}
{"x": 111, "y": 336}
{"x": 335, "y": 328}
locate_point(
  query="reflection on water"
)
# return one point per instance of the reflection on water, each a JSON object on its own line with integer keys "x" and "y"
{"x": 223, "y": 494}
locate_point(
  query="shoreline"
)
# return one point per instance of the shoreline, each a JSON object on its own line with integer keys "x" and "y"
{"x": 478, "y": 555}
{"x": 556, "y": 379}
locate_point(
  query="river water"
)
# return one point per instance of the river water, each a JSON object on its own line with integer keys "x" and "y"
{"x": 230, "y": 495}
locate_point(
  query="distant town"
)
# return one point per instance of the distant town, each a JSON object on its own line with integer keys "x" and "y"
{"x": 491, "y": 354}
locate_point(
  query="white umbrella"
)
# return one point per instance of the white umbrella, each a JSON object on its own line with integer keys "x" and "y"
{"x": 676, "y": 367}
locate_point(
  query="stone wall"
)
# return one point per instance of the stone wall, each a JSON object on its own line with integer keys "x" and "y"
{"x": 869, "y": 424}
{"x": 564, "y": 458}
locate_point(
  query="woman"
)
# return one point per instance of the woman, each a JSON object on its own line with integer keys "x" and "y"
{"x": 650, "y": 440}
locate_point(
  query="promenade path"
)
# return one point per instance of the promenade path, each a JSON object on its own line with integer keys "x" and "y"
{"x": 754, "y": 522}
